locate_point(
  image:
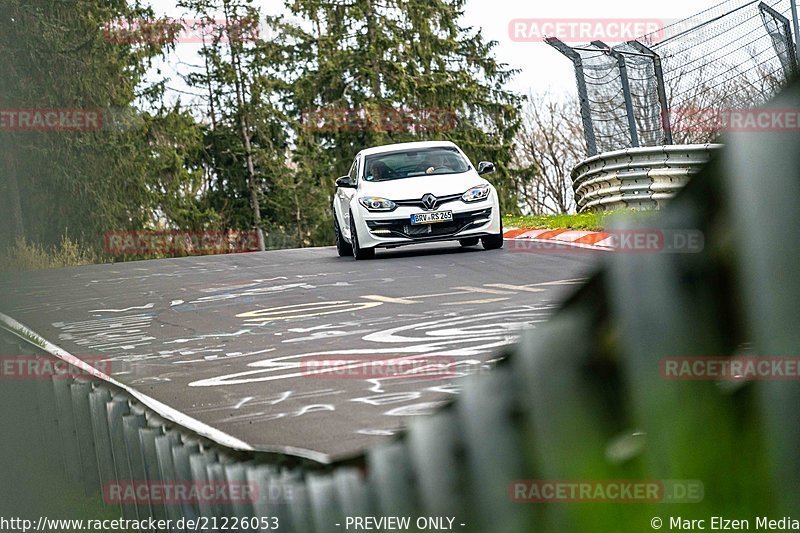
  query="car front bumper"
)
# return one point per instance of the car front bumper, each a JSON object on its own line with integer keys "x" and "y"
{"x": 388, "y": 230}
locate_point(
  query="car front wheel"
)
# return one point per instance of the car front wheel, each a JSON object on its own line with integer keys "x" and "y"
{"x": 342, "y": 247}
{"x": 359, "y": 252}
{"x": 493, "y": 242}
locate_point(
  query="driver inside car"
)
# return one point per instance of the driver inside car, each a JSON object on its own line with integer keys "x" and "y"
{"x": 434, "y": 162}
{"x": 378, "y": 171}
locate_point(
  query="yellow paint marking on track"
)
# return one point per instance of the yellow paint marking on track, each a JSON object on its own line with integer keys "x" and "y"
{"x": 389, "y": 299}
{"x": 523, "y": 288}
{"x": 575, "y": 281}
{"x": 440, "y": 294}
{"x": 305, "y": 310}
{"x": 486, "y": 301}
{"x": 483, "y": 290}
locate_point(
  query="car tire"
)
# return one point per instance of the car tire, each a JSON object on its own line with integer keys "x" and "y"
{"x": 493, "y": 242}
{"x": 359, "y": 253}
{"x": 472, "y": 241}
{"x": 343, "y": 248}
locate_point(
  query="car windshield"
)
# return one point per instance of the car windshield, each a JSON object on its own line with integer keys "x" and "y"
{"x": 411, "y": 163}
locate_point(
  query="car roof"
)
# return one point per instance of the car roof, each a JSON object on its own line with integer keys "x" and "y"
{"x": 406, "y": 146}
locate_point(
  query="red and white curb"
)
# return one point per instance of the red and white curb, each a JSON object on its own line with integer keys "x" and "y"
{"x": 593, "y": 240}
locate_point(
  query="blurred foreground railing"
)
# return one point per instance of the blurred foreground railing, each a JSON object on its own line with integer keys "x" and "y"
{"x": 582, "y": 397}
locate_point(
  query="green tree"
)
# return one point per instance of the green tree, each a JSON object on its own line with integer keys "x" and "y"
{"x": 408, "y": 55}
{"x": 68, "y": 56}
{"x": 246, "y": 137}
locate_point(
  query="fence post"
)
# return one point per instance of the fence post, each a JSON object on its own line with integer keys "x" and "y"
{"x": 586, "y": 116}
{"x": 626, "y": 89}
{"x": 662, "y": 93}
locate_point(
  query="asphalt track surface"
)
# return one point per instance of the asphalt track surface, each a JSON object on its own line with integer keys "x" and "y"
{"x": 296, "y": 351}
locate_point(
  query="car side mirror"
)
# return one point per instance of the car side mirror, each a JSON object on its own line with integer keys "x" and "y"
{"x": 484, "y": 167}
{"x": 345, "y": 182}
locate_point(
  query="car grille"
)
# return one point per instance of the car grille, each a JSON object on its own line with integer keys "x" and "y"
{"x": 439, "y": 201}
{"x": 402, "y": 227}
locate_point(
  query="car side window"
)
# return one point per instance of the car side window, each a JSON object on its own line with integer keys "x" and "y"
{"x": 353, "y": 171}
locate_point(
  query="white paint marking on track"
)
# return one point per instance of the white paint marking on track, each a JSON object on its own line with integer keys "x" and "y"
{"x": 483, "y": 290}
{"x": 575, "y": 281}
{"x": 146, "y": 306}
{"x": 522, "y": 288}
{"x": 486, "y": 301}
{"x": 389, "y": 299}
{"x": 242, "y": 402}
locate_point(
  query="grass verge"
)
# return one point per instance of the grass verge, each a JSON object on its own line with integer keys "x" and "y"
{"x": 590, "y": 221}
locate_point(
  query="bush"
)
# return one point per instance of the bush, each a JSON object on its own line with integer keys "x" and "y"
{"x": 25, "y": 256}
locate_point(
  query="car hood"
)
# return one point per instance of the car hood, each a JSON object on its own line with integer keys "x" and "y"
{"x": 416, "y": 187}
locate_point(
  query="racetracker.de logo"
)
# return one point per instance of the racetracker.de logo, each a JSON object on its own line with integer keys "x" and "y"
{"x": 606, "y": 491}
{"x": 710, "y": 120}
{"x": 177, "y": 492}
{"x": 349, "y": 119}
{"x": 180, "y": 242}
{"x": 581, "y": 31}
{"x": 372, "y": 367}
{"x": 50, "y": 119}
{"x": 46, "y": 367}
{"x": 739, "y": 368}
{"x": 639, "y": 241}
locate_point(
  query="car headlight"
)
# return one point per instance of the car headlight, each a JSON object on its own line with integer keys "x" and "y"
{"x": 375, "y": 203}
{"x": 479, "y": 192}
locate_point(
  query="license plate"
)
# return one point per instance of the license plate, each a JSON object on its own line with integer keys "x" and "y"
{"x": 432, "y": 218}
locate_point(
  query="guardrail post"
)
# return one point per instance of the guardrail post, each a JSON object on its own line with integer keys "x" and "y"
{"x": 131, "y": 424}
{"x": 80, "y": 390}
{"x": 116, "y": 410}
{"x": 49, "y": 421}
{"x": 199, "y": 464}
{"x": 351, "y": 492}
{"x": 183, "y": 472}
{"x": 493, "y": 448}
{"x": 236, "y": 475}
{"x": 147, "y": 441}
{"x": 436, "y": 448}
{"x": 166, "y": 468}
{"x": 98, "y": 399}
{"x": 66, "y": 427}
{"x": 299, "y": 507}
{"x": 392, "y": 479}
{"x": 325, "y": 509}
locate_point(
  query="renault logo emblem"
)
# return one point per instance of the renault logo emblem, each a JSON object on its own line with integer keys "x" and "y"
{"x": 429, "y": 201}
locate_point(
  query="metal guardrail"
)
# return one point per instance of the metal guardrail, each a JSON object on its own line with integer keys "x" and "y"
{"x": 639, "y": 178}
{"x": 580, "y": 397}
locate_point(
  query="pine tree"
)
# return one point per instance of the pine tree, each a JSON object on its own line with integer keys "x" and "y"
{"x": 369, "y": 56}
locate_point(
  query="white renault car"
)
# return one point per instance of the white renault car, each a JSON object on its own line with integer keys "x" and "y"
{"x": 412, "y": 193}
